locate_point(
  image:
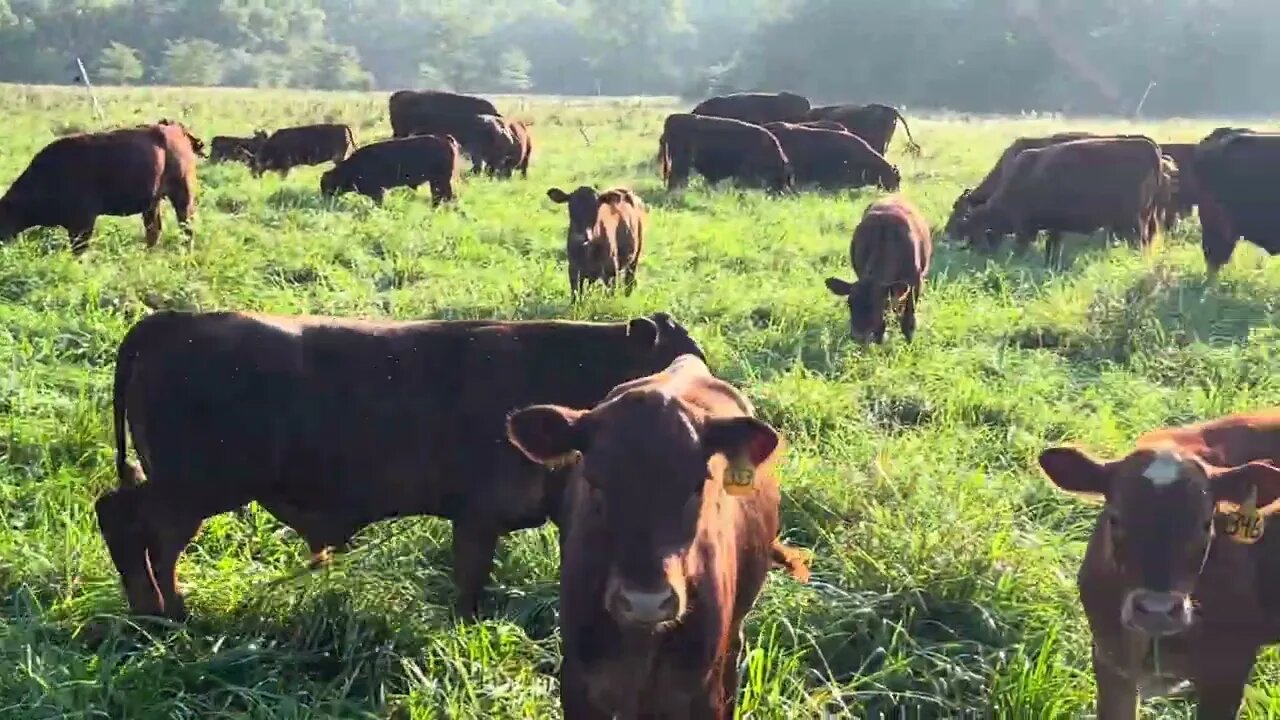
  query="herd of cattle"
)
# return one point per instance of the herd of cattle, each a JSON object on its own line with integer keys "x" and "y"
{"x": 658, "y": 475}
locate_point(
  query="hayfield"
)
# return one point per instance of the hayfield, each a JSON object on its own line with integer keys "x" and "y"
{"x": 944, "y": 570}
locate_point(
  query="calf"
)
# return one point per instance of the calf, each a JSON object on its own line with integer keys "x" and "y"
{"x": 305, "y": 145}
{"x": 1179, "y": 582}
{"x": 75, "y": 179}
{"x": 890, "y": 252}
{"x": 225, "y": 148}
{"x": 605, "y": 236}
{"x": 405, "y": 162}
{"x": 332, "y": 424}
{"x": 671, "y": 528}
{"x": 833, "y": 159}
{"x": 720, "y": 148}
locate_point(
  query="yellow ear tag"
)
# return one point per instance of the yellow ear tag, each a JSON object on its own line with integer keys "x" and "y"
{"x": 1245, "y": 525}
{"x": 740, "y": 476}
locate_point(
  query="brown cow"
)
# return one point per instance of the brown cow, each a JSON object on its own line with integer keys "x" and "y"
{"x": 1176, "y": 584}
{"x": 304, "y": 145}
{"x": 407, "y": 107}
{"x": 520, "y": 151}
{"x": 605, "y": 236}
{"x": 672, "y": 524}
{"x": 225, "y": 148}
{"x": 757, "y": 108}
{"x": 833, "y": 159}
{"x": 399, "y": 162}
{"x": 890, "y": 252}
{"x": 77, "y": 178}
{"x": 874, "y": 123}
{"x": 1077, "y": 186}
{"x": 332, "y": 424}
{"x": 719, "y": 148}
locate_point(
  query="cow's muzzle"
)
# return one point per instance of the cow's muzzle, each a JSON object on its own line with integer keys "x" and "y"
{"x": 1157, "y": 614}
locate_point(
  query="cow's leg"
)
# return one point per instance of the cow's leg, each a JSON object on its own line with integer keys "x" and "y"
{"x": 1053, "y": 248}
{"x": 1117, "y": 695}
{"x": 629, "y": 279}
{"x": 441, "y": 191}
{"x": 575, "y": 282}
{"x": 474, "y": 545}
{"x": 575, "y": 699}
{"x": 152, "y": 225}
{"x": 1218, "y": 700}
{"x": 1022, "y": 241}
{"x": 907, "y": 320}
{"x": 79, "y": 232}
{"x": 169, "y": 533}
{"x": 183, "y": 200}
{"x": 120, "y": 519}
{"x": 322, "y": 532}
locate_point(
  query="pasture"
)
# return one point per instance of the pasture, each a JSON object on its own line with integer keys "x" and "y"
{"x": 944, "y": 570}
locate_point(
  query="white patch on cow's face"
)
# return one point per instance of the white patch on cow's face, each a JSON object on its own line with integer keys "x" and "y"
{"x": 1165, "y": 469}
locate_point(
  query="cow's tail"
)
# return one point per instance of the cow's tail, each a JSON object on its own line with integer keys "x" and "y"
{"x": 912, "y": 147}
{"x": 128, "y": 471}
{"x": 351, "y": 138}
{"x": 664, "y": 157}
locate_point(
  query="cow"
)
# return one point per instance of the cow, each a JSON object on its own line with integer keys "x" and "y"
{"x": 874, "y": 123}
{"x": 197, "y": 145}
{"x": 1183, "y": 198}
{"x": 486, "y": 139}
{"x": 757, "y": 108}
{"x": 288, "y": 148}
{"x": 1235, "y": 173}
{"x": 1076, "y": 186}
{"x": 405, "y": 107}
{"x": 400, "y": 162}
{"x": 1179, "y": 582}
{"x": 890, "y": 252}
{"x": 719, "y": 148}
{"x": 833, "y": 159}
{"x": 331, "y": 424}
{"x": 520, "y": 151}
{"x": 225, "y": 148}
{"x": 672, "y": 525}
{"x": 605, "y": 236}
{"x": 77, "y": 178}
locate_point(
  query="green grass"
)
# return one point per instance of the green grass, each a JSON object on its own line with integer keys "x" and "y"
{"x": 944, "y": 571}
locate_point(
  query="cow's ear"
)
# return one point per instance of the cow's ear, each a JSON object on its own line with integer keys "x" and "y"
{"x": 839, "y": 287}
{"x": 1074, "y": 470}
{"x": 644, "y": 331}
{"x": 557, "y": 195}
{"x": 1234, "y": 485}
{"x": 546, "y": 434}
{"x": 747, "y": 438}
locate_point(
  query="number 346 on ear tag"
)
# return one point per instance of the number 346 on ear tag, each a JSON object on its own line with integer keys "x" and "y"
{"x": 1245, "y": 525}
{"x": 740, "y": 476}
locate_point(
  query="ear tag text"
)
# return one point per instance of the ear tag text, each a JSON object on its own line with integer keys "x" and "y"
{"x": 1245, "y": 525}
{"x": 740, "y": 476}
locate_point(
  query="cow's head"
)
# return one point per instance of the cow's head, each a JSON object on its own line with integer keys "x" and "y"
{"x": 653, "y": 467}
{"x": 656, "y": 341}
{"x": 1157, "y": 525}
{"x": 959, "y": 211}
{"x": 986, "y": 221}
{"x": 866, "y": 308}
{"x": 584, "y": 208}
{"x": 10, "y": 221}
{"x": 330, "y": 182}
{"x": 890, "y": 178}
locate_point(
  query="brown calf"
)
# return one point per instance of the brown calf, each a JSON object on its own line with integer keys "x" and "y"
{"x": 890, "y": 252}
{"x": 305, "y": 145}
{"x": 1176, "y": 583}
{"x": 605, "y": 236}
{"x": 671, "y": 528}
{"x": 76, "y": 179}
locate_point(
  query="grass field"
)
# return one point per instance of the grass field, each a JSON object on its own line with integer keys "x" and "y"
{"x": 944, "y": 573}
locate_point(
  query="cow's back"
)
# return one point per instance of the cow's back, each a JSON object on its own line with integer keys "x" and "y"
{"x": 892, "y": 243}
{"x": 118, "y": 172}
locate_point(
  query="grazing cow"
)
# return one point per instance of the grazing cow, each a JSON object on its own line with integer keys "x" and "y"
{"x": 605, "y": 236}
{"x": 331, "y": 424}
{"x": 890, "y": 252}
{"x": 399, "y": 162}
{"x": 226, "y": 148}
{"x": 1184, "y": 197}
{"x": 672, "y": 524}
{"x": 1077, "y": 186}
{"x": 1236, "y": 174}
{"x": 833, "y": 159}
{"x": 77, "y": 178}
{"x": 485, "y": 138}
{"x": 757, "y": 108}
{"x": 719, "y": 148}
{"x": 874, "y": 123}
{"x": 406, "y": 107}
{"x": 520, "y": 151}
{"x": 305, "y": 145}
{"x": 1179, "y": 582}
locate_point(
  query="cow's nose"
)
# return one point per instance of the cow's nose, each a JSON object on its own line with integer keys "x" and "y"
{"x": 1157, "y": 614}
{"x": 643, "y": 607}
{"x": 1156, "y": 603}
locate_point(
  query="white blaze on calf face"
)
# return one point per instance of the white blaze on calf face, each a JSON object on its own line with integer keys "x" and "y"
{"x": 1165, "y": 469}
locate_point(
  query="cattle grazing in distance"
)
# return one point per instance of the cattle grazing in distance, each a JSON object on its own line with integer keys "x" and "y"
{"x": 1112, "y": 183}
{"x": 291, "y": 147}
{"x": 757, "y": 108}
{"x": 671, "y": 529}
{"x": 520, "y": 152}
{"x": 1236, "y": 175}
{"x": 77, "y": 178}
{"x": 605, "y": 236}
{"x": 1179, "y": 582}
{"x": 227, "y": 148}
{"x": 874, "y": 123}
{"x": 484, "y": 138}
{"x": 400, "y": 162}
{"x": 833, "y": 159}
{"x": 720, "y": 148}
{"x": 331, "y": 424}
{"x": 890, "y": 252}
{"x": 407, "y": 107}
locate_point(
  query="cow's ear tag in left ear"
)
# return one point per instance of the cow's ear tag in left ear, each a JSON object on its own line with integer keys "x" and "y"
{"x": 1245, "y": 525}
{"x": 740, "y": 475}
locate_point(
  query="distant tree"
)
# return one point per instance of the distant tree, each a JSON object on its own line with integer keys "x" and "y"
{"x": 513, "y": 71}
{"x": 192, "y": 62}
{"x": 119, "y": 64}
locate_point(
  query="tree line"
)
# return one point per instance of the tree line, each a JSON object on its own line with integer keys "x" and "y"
{"x": 1172, "y": 57}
